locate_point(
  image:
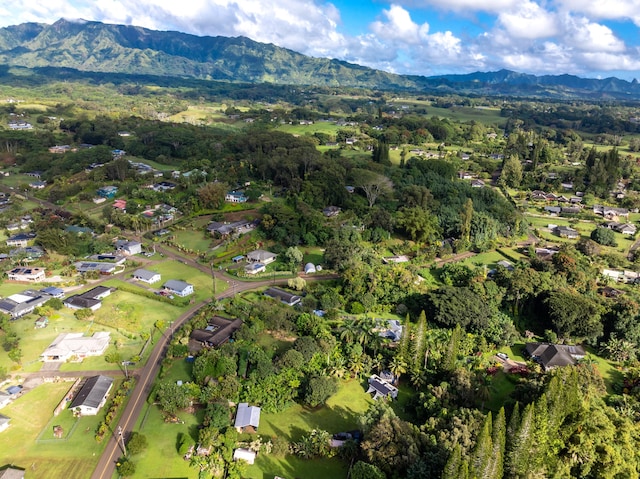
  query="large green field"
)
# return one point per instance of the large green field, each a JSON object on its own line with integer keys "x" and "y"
{"x": 28, "y": 442}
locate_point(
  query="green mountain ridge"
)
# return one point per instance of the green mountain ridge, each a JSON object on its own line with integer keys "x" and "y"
{"x": 98, "y": 47}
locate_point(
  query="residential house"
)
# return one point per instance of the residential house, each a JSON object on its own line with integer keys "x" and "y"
{"x": 177, "y": 287}
{"x": 553, "y": 210}
{"x": 610, "y": 211}
{"x": 19, "y": 304}
{"x": 538, "y": 195}
{"x": 261, "y": 256}
{"x": 27, "y": 252}
{"x": 53, "y": 292}
{"x": 246, "y": 455}
{"x": 129, "y": 247}
{"x": 247, "y": 418}
{"x": 218, "y": 331}
{"x": 120, "y": 205}
{"x": 102, "y": 268}
{"x": 508, "y": 265}
{"x": 29, "y": 275}
{"x": 4, "y": 422}
{"x": 235, "y": 197}
{"x": 217, "y": 228}
{"x": 38, "y": 185}
{"x": 20, "y": 239}
{"x": 5, "y": 399}
{"x": 396, "y": 259}
{"x": 91, "y": 299}
{"x": 392, "y": 331}
{"x": 108, "y": 192}
{"x": 554, "y": 355}
{"x": 566, "y": 232}
{"x": 60, "y": 149}
{"x": 570, "y": 210}
{"x": 289, "y": 299}
{"x": 79, "y": 230}
{"x": 9, "y": 472}
{"x": 76, "y": 346}
{"x": 379, "y": 388}
{"x": 255, "y": 268}
{"x": 146, "y": 276}
{"x": 331, "y": 211}
{"x": 92, "y": 395}
{"x": 477, "y": 184}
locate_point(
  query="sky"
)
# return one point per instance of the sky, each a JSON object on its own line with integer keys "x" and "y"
{"x": 588, "y": 38}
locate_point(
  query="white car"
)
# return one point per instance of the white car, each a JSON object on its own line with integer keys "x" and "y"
{"x": 502, "y": 356}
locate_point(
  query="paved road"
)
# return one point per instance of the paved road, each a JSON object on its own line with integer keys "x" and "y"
{"x": 146, "y": 375}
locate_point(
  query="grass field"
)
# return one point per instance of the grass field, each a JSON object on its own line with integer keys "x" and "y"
{"x": 32, "y": 416}
{"x": 197, "y": 241}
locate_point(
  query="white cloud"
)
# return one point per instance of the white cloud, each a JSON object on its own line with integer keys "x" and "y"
{"x": 491, "y": 6}
{"x": 528, "y": 21}
{"x": 399, "y": 27}
{"x": 585, "y": 35}
{"x": 604, "y": 9}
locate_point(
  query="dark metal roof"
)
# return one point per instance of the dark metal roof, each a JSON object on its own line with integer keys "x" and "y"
{"x": 93, "y": 392}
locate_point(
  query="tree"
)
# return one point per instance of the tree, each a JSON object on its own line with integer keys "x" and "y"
{"x": 125, "y": 467}
{"x": 212, "y": 195}
{"x": 604, "y": 236}
{"x": 137, "y": 443}
{"x": 511, "y": 172}
{"x": 373, "y": 184}
{"x": 419, "y": 224}
{"x": 364, "y": 470}
{"x": 573, "y": 314}
{"x": 216, "y": 415}
{"x": 83, "y": 314}
{"x": 172, "y": 397}
{"x": 319, "y": 389}
{"x": 398, "y": 367}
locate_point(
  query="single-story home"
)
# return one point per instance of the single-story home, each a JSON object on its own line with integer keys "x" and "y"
{"x": 381, "y": 388}
{"x": 235, "y": 197}
{"x": 9, "y": 472}
{"x": 53, "y": 292}
{"x": 289, "y": 299}
{"x": 554, "y": 355}
{"x": 129, "y": 247}
{"x": 19, "y": 304}
{"x": 566, "y": 232}
{"x": 102, "y": 268}
{"x": 4, "y": 422}
{"x": 244, "y": 455}
{"x": 261, "y": 256}
{"x": 5, "y": 398}
{"x": 76, "y": 345}
{"x": 180, "y": 288}
{"x": 331, "y": 211}
{"x": 255, "y": 268}
{"x": 146, "y": 276}
{"x": 92, "y": 395}
{"x": 218, "y": 331}
{"x": 20, "y": 239}
{"x": 31, "y": 275}
{"x": 247, "y": 417}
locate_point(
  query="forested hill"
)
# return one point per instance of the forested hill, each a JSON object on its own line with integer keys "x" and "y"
{"x": 98, "y": 47}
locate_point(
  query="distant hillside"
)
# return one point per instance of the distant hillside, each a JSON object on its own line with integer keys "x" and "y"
{"x": 98, "y": 47}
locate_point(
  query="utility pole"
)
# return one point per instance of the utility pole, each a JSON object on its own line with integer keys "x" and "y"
{"x": 124, "y": 448}
{"x": 213, "y": 278}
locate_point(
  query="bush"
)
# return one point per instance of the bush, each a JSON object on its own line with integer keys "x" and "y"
{"x": 125, "y": 467}
{"x": 604, "y": 236}
{"x": 137, "y": 443}
{"x": 318, "y": 390}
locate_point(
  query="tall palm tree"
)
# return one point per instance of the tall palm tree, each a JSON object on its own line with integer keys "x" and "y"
{"x": 398, "y": 366}
{"x": 348, "y": 331}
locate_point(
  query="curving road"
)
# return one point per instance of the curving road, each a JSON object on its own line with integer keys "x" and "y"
{"x": 145, "y": 376}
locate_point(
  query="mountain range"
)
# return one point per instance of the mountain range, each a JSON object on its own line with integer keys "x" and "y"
{"x": 89, "y": 46}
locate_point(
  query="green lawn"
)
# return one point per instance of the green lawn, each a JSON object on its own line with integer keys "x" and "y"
{"x": 32, "y": 417}
{"x": 197, "y": 241}
{"x": 202, "y": 284}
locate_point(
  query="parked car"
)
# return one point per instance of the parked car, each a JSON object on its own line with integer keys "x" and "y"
{"x": 502, "y": 356}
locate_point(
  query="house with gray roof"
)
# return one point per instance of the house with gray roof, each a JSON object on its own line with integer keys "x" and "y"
{"x": 76, "y": 346}
{"x": 178, "y": 287}
{"x": 261, "y": 256}
{"x": 4, "y": 422}
{"x": 247, "y": 417}
{"x": 146, "y": 276}
{"x": 9, "y": 472}
{"x": 551, "y": 356}
{"x": 19, "y": 304}
{"x": 289, "y": 299}
{"x": 92, "y": 395}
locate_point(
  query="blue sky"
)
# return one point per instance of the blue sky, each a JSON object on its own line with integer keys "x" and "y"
{"x": 590, "y": 38}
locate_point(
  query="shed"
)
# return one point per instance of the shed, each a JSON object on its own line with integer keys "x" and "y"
{"x": 309, "y": 268}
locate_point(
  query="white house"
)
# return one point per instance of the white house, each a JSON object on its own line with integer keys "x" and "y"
{"x": 4, "y": 422}
{"x": 92, "y": 395}
{"x": 261, "y": 256}
{"x": 255, "y": 268}
{"x": 235, "y": 197}
{"x": 75, "y": 345}
{"x": 31, "y": 275}
{"x": 146, "y": 276}
{"x": 180, "y": 288}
